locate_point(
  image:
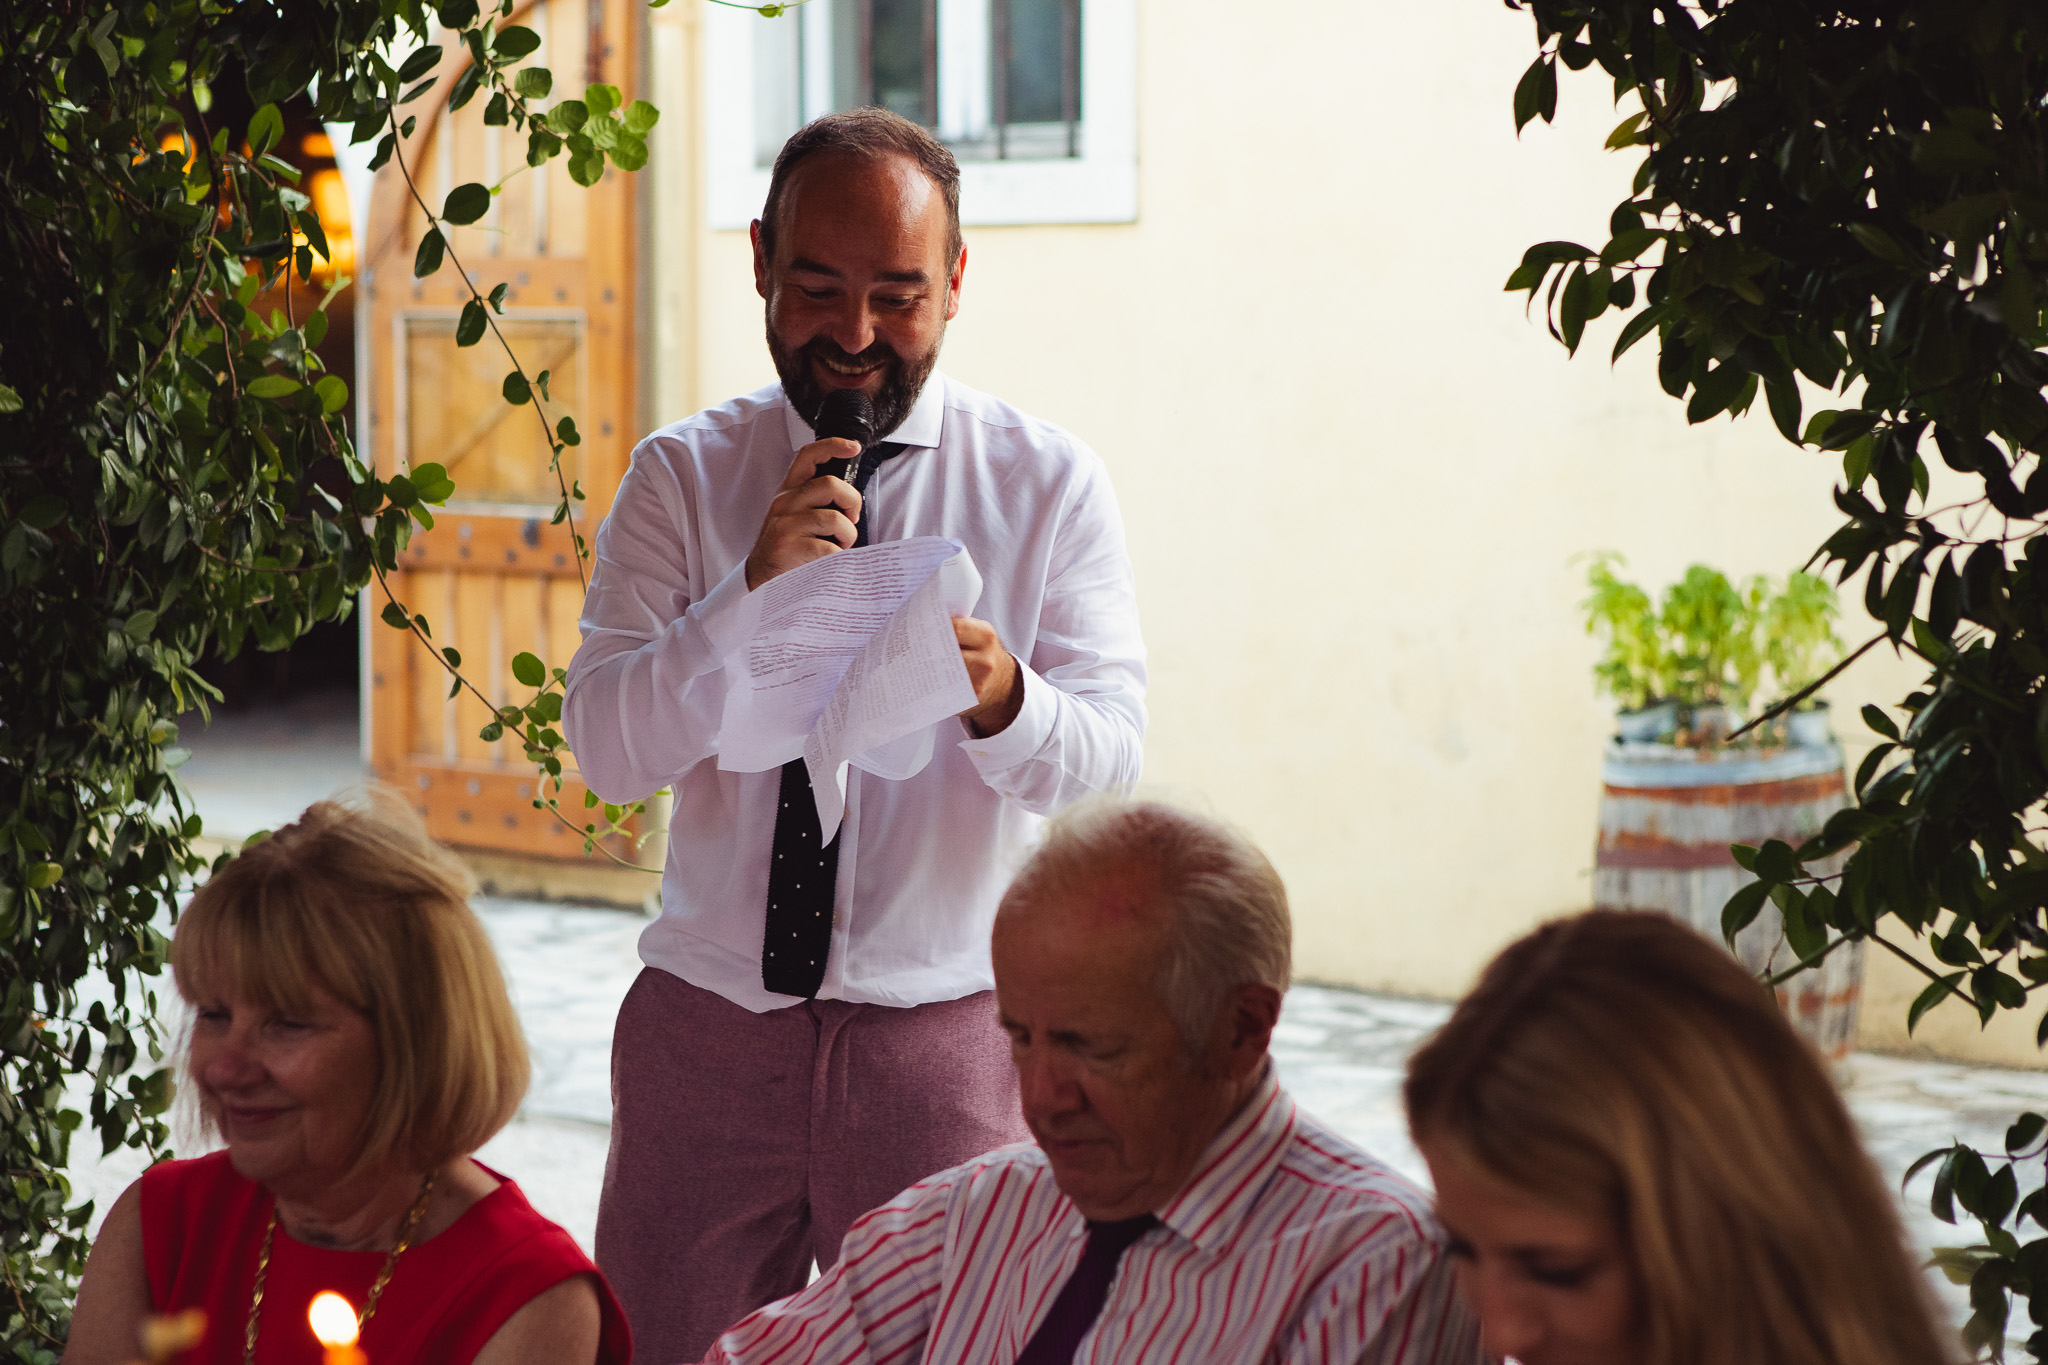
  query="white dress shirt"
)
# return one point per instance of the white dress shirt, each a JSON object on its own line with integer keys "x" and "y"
{"x": 922, "y": 862}
{"x": 1288, "y": 1247}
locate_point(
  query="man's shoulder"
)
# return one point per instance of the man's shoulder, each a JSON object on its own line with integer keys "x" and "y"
{"x": 1005, "y": 423}
{"x": 725, "y": 426}
{"x": 1016, "y": 1172}
{"x": 1352, "y": 1179}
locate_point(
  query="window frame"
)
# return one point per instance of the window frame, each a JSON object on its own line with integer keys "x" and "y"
{"x": 1098, "y": 186}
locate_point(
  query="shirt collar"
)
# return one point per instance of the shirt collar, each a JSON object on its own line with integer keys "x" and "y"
{"x": 922, "y": 427}
{"x": 1233, "y": 1168}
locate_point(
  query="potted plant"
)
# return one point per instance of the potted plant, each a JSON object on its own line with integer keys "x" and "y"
{"x": 1681, "y": 782}
{"x": 1684, "y": 671}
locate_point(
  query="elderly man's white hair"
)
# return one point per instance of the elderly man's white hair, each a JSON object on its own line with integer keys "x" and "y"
{"x": 1228, "y": 923}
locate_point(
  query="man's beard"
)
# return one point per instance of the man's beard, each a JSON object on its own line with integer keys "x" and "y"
{"x": 893, "y": 400}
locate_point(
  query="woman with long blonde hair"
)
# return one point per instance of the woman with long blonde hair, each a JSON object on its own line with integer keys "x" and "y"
{"x": 1640, "y": 1163}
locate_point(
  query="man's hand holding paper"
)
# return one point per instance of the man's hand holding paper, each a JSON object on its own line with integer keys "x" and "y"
{"x": 852, "y": 658}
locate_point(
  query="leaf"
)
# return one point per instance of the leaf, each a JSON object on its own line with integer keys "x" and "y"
{"x": 266, "y": 126}
{"x": 513, "y": 42}
{"x": 1942, "y": 1202}
{"x": 529, "y": 670}
{"x": 565, "y": 432}
{"x": 601, "y": 99}
{"x": 1856, "y": 461}
{"x": 1743, "y": 908}
{"x": 394, "y": 615}
{"x": 497, "y": 296}
{"x": 470, "y": 330}
{"x": 628, "y": 152}
{"x": 427, "y": 259}
{"x": 568, "y": 117}
{"x": 452, "y": 655}
{"x": 586, "y": 164}
{"x": 430, "y": 482}
{"x": 43, "y": 511}
{"x": 1784, "y": 404}
{"x": 465, "y": 87}
{"x": 1638, "y": 327}
{"x": 272, "y": 386}
{"x": 10, "y": 401}
{"x": 1628, "y": 132}
{"x": 1950, "y": 150}
{"x": 1936, "y": 992}
{"x": 2025, "y": 1132}
{"x": 1879, "y": 243}
{"x": 533, "y": 83}
{"x": 540, "y": 145}
{"x": 1536, "y": 92}
{"x": 465, "y": 204}
{"x": 1877, "y": 720}
{"x": 40, "y": 875}
{"x": 422, "y": 60}
{"x": 640, "y": 117}
{"x": 516, "y": 389}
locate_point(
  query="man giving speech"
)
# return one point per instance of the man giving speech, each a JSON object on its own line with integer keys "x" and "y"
{"x": 814, "y": 1028}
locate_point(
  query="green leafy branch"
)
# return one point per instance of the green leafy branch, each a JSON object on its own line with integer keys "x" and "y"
{"x": 589, "y": 130}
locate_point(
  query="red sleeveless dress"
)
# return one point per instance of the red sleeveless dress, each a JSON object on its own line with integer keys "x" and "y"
{"x": 202, "y": 1233}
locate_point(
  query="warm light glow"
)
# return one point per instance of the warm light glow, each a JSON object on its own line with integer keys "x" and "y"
{"x": 334, "y": 1321}
{"x": 329, "y": 193}
{"x": 317, "y": 145}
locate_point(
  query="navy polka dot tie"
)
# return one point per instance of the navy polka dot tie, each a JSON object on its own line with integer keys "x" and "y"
{"x": 803, "y": 870}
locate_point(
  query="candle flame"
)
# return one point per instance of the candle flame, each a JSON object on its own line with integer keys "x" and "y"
{"x": 333, "y": 1320}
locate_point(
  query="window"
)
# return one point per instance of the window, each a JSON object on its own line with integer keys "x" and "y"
{"x": 1037, "y": 98}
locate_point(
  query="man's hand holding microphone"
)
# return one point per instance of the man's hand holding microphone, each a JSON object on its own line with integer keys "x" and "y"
{"x": 816, "y": 512}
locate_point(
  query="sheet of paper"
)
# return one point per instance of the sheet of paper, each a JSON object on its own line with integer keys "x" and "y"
{"x": 906, "y": 679}
{"x": 804, "y": 632}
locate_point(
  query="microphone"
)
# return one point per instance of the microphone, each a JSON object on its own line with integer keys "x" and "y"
{"x": 847, "y": 414}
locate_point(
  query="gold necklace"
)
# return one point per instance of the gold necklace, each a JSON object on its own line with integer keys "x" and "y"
{"x": 405, "y": 1231}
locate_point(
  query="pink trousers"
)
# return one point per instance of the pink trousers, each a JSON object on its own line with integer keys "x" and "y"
{"x": 744, "y": 1144}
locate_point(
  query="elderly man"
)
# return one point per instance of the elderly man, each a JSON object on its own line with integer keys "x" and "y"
{"x": 1176, "y": 1206}
{"x": 814, "y": 1029}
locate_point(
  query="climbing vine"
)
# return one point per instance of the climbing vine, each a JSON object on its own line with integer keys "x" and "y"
{"x": 163, "y": 435}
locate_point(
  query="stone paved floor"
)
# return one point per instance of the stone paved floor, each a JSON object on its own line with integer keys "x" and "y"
{"x": 1340, "y": 1052}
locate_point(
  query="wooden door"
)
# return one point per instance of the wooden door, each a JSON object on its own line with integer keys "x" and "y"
{"x": 494, "y": 577}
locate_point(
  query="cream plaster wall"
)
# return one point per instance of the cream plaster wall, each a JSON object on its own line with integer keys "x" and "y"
{"x": 1353, "y": 474}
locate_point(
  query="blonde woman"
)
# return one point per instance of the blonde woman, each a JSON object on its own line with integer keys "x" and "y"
{"x": 1639, "y": 1163}
{"x": 352, "y": 1045}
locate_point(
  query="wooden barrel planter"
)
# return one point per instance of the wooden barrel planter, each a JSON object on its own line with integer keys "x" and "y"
{"x": 1667, "y": 817}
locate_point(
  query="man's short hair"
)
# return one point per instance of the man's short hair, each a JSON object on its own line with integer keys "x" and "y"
{"x": 1228, "y": 923}
{"x": 865, "y": 133}
{"x": 358, "y": 901}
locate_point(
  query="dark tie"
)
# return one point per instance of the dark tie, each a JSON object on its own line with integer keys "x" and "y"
{"x": 801, "y": 875}
{"x": 1082, "y": 1296}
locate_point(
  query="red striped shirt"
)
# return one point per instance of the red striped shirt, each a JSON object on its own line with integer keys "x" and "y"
{"x": 1288, "y": 1245}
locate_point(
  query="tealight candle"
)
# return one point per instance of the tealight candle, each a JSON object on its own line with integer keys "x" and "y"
{"x": 334, "y": 1322}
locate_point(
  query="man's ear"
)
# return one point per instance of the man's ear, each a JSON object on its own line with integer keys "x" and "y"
{"x": 1253, "y": 1013}
{"x": 760, "y": 260}
{"x": 953, "y": 283}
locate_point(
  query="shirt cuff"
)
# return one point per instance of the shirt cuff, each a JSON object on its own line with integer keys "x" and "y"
{"x": 1024, "y": 736}
{"x": 719, "y": 614}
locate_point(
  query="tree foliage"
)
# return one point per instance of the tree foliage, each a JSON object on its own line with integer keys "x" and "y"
{"x": 1852, "y": 200}
{"x": 160, "y": 433}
